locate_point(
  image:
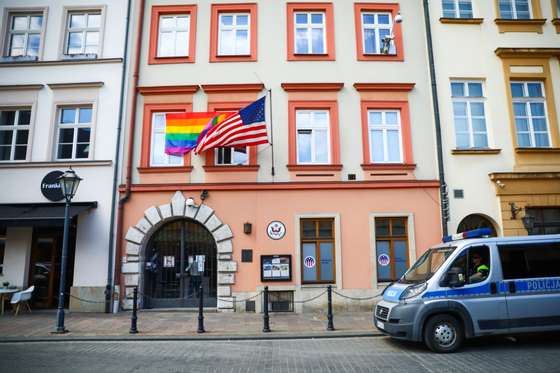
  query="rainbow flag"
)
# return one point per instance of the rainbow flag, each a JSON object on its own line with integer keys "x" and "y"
{"x": 182, "y": 131}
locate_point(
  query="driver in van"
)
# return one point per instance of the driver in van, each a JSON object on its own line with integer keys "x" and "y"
{"x": 480, "y": 269}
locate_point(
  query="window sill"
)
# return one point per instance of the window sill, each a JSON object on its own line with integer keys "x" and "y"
{"x": 79, "y": 56}
{"x": 388, "y": 166}
{"x": 311, "y": 57}
{"x": 169, "y": 60}
{"x": 537, "y": 150}
{"x": 60, "y": 62}
{"x": 234, "y": 58}
{"x": 475, "y": 151}
{"x": 380, "y": 57}
{"x": 520, "y": 25}
{"x": 461, "y": 21}
{"x": 163, "y": 170}
{"x": 314, "y": 167}
{"x": 232, "y": 168}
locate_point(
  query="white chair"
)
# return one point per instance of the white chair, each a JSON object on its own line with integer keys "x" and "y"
{"x": 22, "y": 297}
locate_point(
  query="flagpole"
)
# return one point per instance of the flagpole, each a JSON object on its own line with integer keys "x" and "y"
{"x": 271, "y": 132}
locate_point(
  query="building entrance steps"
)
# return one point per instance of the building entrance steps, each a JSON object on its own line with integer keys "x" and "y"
{"x": 181, "y": 325}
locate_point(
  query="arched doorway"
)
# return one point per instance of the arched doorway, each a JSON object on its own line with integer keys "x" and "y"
{"x": 475, "y": 221}
{"x": 179, "y": 257}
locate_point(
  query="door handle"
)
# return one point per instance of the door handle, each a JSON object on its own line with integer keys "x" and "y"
{"x": 493, "y": 288}
{"x": 512, "y": 288}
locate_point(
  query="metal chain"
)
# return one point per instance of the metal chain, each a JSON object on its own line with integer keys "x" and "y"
{"x": 356, "y": 298}
{"x": 240, "y": 300}
{"x": 310, "y": 299}
{"x": 85, "y": 300}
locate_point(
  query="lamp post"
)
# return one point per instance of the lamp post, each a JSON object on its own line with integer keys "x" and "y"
{"x": 69, "y": 182}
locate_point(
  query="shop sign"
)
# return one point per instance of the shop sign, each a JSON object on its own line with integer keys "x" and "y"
{"x": 276, "y": 230}
{"x": 309, "y": 262}
{"x": 383, "y": 260}
{"x": 50, "y": 186}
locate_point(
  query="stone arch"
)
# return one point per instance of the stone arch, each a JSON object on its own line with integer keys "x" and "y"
{"x": 138, "y": 236}
{"x": 474, "y": 221}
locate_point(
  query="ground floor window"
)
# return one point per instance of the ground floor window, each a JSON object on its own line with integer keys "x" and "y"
{"x": 391, "y": 245}
{"x": 546, "y": 220}
{"x": 317, "y": 250}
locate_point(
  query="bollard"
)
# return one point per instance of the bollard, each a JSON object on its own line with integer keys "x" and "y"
{"x": 330, "y": 325}
{"x": 266, "y": 326}
{"x": 200, "y": 314}
{"x": 134, "y": 318}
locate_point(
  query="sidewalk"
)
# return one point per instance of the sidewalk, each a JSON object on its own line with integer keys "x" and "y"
{"x": 182, "y": 325}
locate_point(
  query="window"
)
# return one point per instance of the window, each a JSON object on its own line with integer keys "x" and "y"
{"x": 313, "y": 143}
{"x": 82, "y": 32}
{"x": 310, "y": 31}
{"x": 515, "y": 9}
{"x": 547, "y": 220}
{"x": 469, "y": 115}
{"x": 14, "y": 134}
{"x": 457, "y": 9}
{"x": 234, "y": 34}
{"x": 532, "y": 260}
{"x": 173, "y": 35}
{"x": 376, "y": 26}
{"x": 158, "y": 157}
{"x": 384, "y": 130}
{"x": 74, "y": 132}
{"x": 232, "y": 156}
{"x": 391, "y": 244}
{"x": 24, "y": 35}
{"x": 530, "y": 114}
{"x": 317, "y": 251}
{"x": 310, "y": 37}
{"x": 472, "y": 265}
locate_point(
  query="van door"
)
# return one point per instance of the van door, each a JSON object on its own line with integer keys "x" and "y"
{"x": 532, "y": 284}
{"x": 479, "y": 293}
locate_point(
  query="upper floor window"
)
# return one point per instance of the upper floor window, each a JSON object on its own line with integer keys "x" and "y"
{"x": 313, "y": 143}
{"x": 14, "y": 134}
{"x": 310, "y": 37}
{"x": 468, "y": 115}
{"x": 457, "y": 8}
{"x": 158, "y": 157}
{"x": 74, "y": 132}
{"x": 384, "y": 128}
{"x": 24, "y": 34}
{"x": 234, "y": 34}
{"x": 375, "y": 27}
{"x": 173, "y": 35}
{"x": 232, "y": 156}
{"x": 515, "y": 9}
{"x": 530, "y": 114}
{"x": 310, "y": 31}
{"x": 82, "y": 32}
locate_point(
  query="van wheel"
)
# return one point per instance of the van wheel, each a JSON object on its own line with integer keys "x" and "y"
{"x": 443, "y": 333}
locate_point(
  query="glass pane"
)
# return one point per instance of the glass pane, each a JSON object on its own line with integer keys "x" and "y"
{"x": 84, "y": 134}
{"x": 477, "y": 109}
{"x": 92, "y": 38}
{"x": 368, "y": 19}
{"x": 21, "y": 137}
{"x": 317, "y": 19}
{"x": 167, "y": 22}
{"x": 227, "y": 20}
{"x": 517, "y": 89}
{"x": 18, "y": 41}
{"x": 66, "y": 135}
{"x": 304, "y": 146}
{"x": 393, "y": 145}
{"x": 303, "y": 119}
{"x": 461, "y": 125}
{"x": 68, "y": 115}
{"x": 166, "y": 44}
{"x": 327, "y": 261}
{"x": 33, "y": 42}
{"x": 320, "y": 119}
{"x": 6, "y": 137}
{"x": 321, "y": 146}
{"x": 309, "y": 262}
{"x": 460, "y": 108}
{"x": 325, "y": 229}
{"x": 158, "y": 156}
{"x": 5, "y": 152}
{"x": 183, "y": 23}
{"x": 506, "y": 9}
{"x": 383, "y": 261}
{"x": 475, "y": 90}
{"x": 242, "y": 42}
{"x": 524, "y": 140}
{"x": 317, "y": 40}
{"x": 479, "y": 125}
{"x": 20, "y": 153}
{"x": 375, "y": 117}
{"x": 535, "y": 90}
{"x": 522, "y": 8}
{"x": 520, "y": 109}
{"x": 370, "y": 43}
{"x": 64, "y": 151}
{"x": 75, "y": 42}
{"x": 243, "y": 20}
{"x": 480, "y": 140}
{"x": 400, "y": 257}
{"x": 82, "y": 151}
{"x": 457, "y": 89}
{"x": 391, "y": 117}
{"x": 19, "y": 23}
{"x": 383, "y": 19}
{"x": 398, "y": 227}
{"x": 539, "y": 125}
{"x": 381, "y": 227}
{"x": 182, "y": 44}
{"x": 77, "y": 20}
{"x": 465, "y": 9}
{"x": 462, "y": 140}
{"x": 94, "y": 20}
{"x": 541, "y": 140}
{"x": 85, "y": 115}
{"x": 7, "y": 118}
{"x": 24, "y": 117}
{"x": 522, "y": 125}
{"x": 301, "y": 18}
{"x": 376, "y": 143}
{"x": 240, "y": 156}
{"x": 308, "y": 229}
{"x": 301, "y": 40}
{"x": 537, "y": 109}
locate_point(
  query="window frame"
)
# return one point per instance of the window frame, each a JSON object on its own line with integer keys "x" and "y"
{"x": 243, "y": 8}
{"x": 5, "y": 39}
{"x": 456, "y": 9}
{"x": 234, "y": 27}
{"x": 376, "y": 27}
{"x": 15, "y": 128}
{"x": 317, "y": 242}
{"x": 75, "y": 126}
{"x": 384, "y": 127}
{"x": 88, "y": 10}
{"x": 469, "y": 100}
{"x": 514, "y": 10}
{"x": 527, "y": 100}
{"x": 328, "y": 42}
{"x": 171, "y": 10}
{"x": 391, "y": 240}
{"x": 309, "y": 26}
{"x": 9, "y": 32}
{"x": 173, "y": 30}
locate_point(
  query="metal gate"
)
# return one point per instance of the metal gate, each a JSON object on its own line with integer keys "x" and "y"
{"x": 179, "y": 258}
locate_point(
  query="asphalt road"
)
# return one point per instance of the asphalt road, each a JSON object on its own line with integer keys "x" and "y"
{"x": 371, "y": 354}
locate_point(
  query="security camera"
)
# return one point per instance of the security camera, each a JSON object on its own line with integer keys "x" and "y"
{"x": 398, "y": 18}
{"x": 500, "y": 184}
{"x": 190, "y": 202}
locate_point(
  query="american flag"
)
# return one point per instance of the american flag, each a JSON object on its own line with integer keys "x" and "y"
{"x": 243, "y": 128}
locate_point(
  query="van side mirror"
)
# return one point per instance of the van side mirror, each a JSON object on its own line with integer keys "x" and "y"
{"x": 455, "y": 277}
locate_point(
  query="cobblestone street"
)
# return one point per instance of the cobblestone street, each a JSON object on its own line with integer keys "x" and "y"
{"x": 370, "y": 354}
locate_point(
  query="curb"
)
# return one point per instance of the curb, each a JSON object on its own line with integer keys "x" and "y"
{"x": 147, "y": 338}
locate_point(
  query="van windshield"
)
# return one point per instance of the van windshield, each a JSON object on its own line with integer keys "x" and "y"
{"x": 426, "y": 265}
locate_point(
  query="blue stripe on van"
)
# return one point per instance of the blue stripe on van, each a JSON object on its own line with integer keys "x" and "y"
{"x": 458, "y": 292}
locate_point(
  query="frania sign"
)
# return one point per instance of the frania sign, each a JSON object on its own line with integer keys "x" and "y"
{"x": 50, "y": 186}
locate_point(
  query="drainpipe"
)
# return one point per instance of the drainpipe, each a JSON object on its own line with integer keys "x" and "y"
{"x": 111, "y": 259}
{"x": 442, "y": 185}
{"x": 130, "y": 148}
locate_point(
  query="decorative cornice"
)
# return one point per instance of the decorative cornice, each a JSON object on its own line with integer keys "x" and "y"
{"x": 314, "y": 167}
{"x": 60, "y": 62}
{"x": 389, "y": 167}
{"x": 527, "y": 52}
{"x": 21, "y": 87}
{"x": 312, "y": 87}
{"x": 475, "y": 151}
{"x": 163, "y": 170}
{"x": 168, "y": 90}
{"x": 384, "y": 87}
{"x": 75, "y": 85}
{"x": 462, "y": 21}
{"x": 537, "y": 150}
{"x": 232, "y": 88}
{"x": 507, "y": 21}
{"x": 523, "y": 175}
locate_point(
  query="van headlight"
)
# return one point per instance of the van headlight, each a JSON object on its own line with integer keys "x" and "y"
{"x": 413, "y": 291}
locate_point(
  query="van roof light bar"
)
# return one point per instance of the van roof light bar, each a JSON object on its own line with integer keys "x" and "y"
{"x": 475, "y": 233}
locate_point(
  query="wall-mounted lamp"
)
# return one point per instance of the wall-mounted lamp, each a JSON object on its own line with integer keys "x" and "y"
{"x": 247, "y": 228}
{"x": 204, "y": 194}
{"x": 514, "y": 210}
{"x": 190, "y": 202}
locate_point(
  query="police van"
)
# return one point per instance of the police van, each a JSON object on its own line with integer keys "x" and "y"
{"x": 472, "y": 286}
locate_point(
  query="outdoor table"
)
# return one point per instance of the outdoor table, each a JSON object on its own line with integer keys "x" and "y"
{"x": 5, "y": 293}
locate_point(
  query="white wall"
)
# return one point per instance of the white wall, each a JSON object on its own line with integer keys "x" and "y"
{"x": 16, "y": 256}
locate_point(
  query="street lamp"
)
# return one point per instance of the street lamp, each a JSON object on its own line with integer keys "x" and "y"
{"x": 68, "y": 182}
{"x": 388, "y": 39}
